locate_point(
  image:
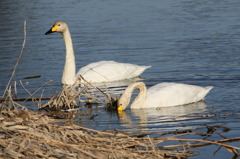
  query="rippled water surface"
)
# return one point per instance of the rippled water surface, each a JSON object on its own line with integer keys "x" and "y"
{"x": 194, "y": 42}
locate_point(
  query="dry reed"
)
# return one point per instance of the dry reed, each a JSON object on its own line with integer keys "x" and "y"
{"x": 30, "y": 135}
{"x": 71, "y": 97}
{"x": 18, "y": 60}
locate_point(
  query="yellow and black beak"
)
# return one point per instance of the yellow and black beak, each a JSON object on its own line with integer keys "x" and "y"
{"x": 52, "y": 30}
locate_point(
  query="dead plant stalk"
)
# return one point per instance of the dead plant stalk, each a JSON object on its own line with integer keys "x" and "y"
{"x": 19, "y": 57}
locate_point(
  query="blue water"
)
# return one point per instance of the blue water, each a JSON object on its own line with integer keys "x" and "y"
{"x": 194, "y": 42}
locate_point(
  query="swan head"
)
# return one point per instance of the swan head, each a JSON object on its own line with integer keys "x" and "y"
{"x": 123, "y": 102}
{"x": 58, "y": 26}
{"x": 125, "y": 98}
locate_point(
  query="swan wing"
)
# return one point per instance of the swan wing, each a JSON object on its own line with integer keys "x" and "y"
{"x": 105, "y": 71}
{"x": 173, "y": 94}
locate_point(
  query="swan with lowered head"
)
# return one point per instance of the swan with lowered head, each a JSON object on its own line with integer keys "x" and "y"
{"x": 102, "y": 71}
{"x": 165, "y": 94}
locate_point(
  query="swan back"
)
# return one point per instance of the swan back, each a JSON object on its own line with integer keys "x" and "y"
{"x": 173, "y": 94}
{"x": 105, "y": 71}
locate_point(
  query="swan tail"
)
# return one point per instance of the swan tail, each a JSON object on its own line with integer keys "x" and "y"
{"x": 206, "y": 90}
{"x": 146, "y": 67}
{"x": 139, "y": 71}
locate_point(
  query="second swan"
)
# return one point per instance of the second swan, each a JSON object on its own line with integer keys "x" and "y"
{"x": 164, "y": 94}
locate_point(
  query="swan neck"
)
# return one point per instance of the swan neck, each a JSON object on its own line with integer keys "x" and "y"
{"x": 68, "y": 42}
{"x": 141, "y": 97}
{"x": 69, "y": 68}
{"x": 139, "y": 100}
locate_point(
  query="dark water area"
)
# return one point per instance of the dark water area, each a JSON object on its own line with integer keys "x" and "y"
{"x": 193, "y": 42}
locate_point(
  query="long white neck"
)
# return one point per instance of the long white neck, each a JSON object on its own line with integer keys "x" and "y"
{"x": 68, "y": 76}
{"x": 139, "y": 100}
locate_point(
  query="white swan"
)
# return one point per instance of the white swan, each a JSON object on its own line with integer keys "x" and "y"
{"x": 162, "y": 95}
{"x": 102, "y": 71}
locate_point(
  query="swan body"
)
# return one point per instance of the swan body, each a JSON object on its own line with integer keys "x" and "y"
{"x": 165, "y": 94}
{"x": 93, "y": 72}
{"x": 102, "y": 71}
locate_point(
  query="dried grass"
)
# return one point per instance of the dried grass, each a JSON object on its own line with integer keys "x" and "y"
{"x": 30, "y": 135}
{"x": 71, "y": 97}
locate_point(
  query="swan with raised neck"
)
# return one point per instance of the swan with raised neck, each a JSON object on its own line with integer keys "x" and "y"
{"x": 69, "y": 70}
{"x": 101, "y": 71}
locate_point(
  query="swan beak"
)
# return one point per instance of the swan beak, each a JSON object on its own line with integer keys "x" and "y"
{"x": 120, "y": 111}
{"x": 119, "y": 108}
{"x": 52, "y": 30}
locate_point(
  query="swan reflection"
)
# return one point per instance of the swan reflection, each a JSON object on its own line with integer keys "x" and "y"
{"x": 165, "y": 118}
